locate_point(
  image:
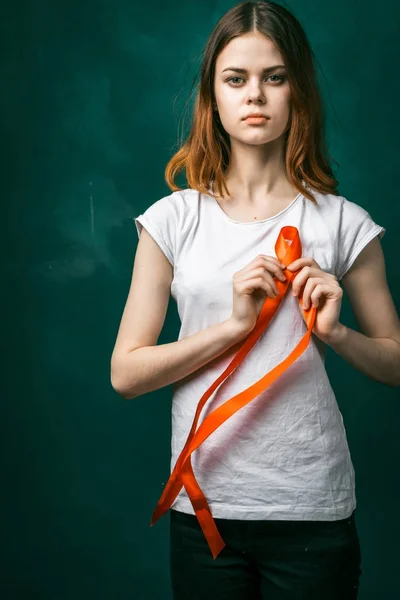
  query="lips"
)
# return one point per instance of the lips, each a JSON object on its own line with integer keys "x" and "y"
{"x": 254, "y": 115}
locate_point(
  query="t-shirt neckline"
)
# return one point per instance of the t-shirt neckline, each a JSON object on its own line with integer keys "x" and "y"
{"x": 258, "y": 221}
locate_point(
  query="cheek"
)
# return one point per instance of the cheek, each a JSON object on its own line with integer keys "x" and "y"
{"x": 230, "y": 109}
{"x": 229, "y": 102}
{"x": 283, "y": 104}
{"x": 229, "y": 97}
{"x": 227, "y": 120}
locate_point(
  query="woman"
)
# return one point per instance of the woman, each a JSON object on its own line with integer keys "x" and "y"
{"x": 278, "y": 474}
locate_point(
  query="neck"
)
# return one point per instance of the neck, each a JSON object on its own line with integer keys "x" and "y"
{"x": 256, "y": 172}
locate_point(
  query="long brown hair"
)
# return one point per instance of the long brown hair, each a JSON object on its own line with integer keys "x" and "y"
{"x": 206, "y": 152}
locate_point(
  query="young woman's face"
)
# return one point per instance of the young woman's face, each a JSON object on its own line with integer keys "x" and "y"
{"x": 254, "y": 91}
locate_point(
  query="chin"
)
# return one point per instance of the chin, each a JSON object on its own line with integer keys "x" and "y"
{"x": 258, "y": 140}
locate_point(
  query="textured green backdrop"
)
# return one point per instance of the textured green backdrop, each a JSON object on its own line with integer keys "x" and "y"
{"x": 92, "y": 94}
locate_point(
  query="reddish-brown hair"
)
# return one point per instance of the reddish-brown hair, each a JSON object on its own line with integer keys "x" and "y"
{"x": 206, "y": 152}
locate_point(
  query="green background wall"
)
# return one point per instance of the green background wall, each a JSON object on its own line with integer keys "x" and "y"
{"x": 92, "y": 95}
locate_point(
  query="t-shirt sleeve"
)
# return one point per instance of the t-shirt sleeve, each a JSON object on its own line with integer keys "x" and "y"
{"x": 161, "y": 221}
{"x": 356, "y": 230}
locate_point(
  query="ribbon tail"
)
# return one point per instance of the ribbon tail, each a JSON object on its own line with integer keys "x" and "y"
{"x": 202, "y": 509}
{"x": 170, "y": 492}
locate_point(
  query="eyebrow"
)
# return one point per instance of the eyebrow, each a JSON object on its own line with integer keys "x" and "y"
{"x": 266, "y": 70}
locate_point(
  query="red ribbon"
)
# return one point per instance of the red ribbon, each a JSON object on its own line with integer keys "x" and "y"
{"x": 183, "y": 475}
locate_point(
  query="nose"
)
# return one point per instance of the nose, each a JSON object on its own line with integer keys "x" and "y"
{"x": 255, "y": 93}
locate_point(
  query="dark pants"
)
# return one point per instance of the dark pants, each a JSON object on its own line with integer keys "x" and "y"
{"x": 268, "y": 560}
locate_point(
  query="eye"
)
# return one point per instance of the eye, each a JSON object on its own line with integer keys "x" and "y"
{"x": 281, "y": 79}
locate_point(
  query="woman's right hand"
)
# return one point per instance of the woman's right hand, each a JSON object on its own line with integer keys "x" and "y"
{"x": 251, "y": 285}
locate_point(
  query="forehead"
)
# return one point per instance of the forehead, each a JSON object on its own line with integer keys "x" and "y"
{"x": 251, "y": 51}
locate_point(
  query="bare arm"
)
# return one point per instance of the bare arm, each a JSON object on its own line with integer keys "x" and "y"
{"x": 375, "y": 350}
{"x": 138, "y": 364}
{"x": 150, "y": 368}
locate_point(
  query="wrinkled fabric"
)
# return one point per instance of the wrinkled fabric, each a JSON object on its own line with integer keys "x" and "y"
{"x": 284, "y": 456}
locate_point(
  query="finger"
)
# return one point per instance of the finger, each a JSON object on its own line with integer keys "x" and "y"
{"x": 281, "y": 264}
{"x": 308, "y": 289}
{"x": 302, "y": 276}
{"x": 320, "y": 291}
{"x": 274, "y": 267}
{"x": 262, "y": 273}
{"x": 299, "y": 281}
{"x": 302, "y": 262}
{"x": 310, "y": 284}
{"x": 313, "y": 298}
{"x": 317, "y": 296}
{"x": 292, "y": 266}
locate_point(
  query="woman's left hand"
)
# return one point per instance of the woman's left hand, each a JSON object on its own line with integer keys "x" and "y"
{"x": 317, "y": 288}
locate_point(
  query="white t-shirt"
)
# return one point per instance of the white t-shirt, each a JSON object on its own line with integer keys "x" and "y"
{"x": 285, "y": 455}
